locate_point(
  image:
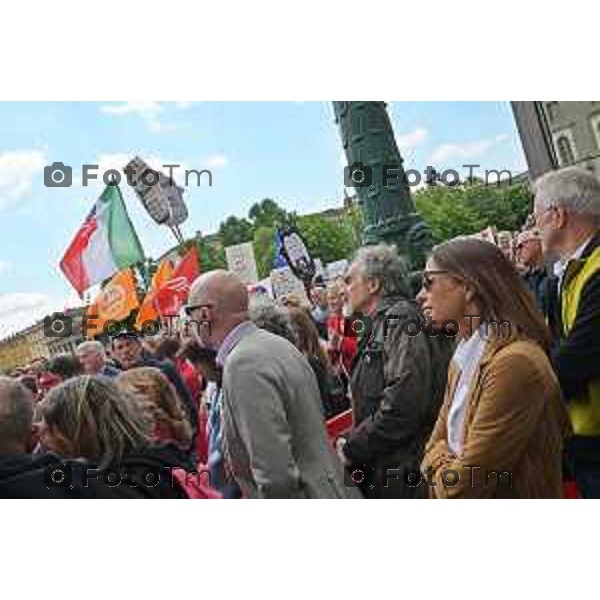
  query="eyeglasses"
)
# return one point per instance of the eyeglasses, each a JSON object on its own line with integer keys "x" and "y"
{"x": 537, "y": 216}
{"x": 188, "y": 309}
{"x": 427, "y": 280}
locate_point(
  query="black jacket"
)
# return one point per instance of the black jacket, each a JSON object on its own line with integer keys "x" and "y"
{"x": 398, "y": 382}
{"x": 30, "y": 476}
{"x": 543, "y": 287}
{"x": 576, "y": 357}
{"x": 146, "y": 474}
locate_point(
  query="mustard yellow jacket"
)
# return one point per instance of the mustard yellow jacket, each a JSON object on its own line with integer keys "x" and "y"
{"x": 515, "y": 422}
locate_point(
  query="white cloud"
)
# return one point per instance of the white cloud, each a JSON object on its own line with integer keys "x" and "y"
{"x": 184, "y": 104}
{"x": 21, "y": 309}
{"x": 412, "y": 138}
{"x": 17, "y": 170}
{"x": 5, "y": 266}
{"x": 216, "y": 161}
{"x": 448, "y": 152}
{"x": 150, "y": 112}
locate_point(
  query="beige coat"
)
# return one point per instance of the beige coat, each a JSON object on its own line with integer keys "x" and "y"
{"x": 515, "y": 421}
{"x": 275, "y": 436}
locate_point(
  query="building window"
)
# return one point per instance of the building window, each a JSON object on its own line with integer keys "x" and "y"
{"x": 595, "y": 124}
{"x": 565, "y": 147}
{"x": 565, "y": 153}
{"x": 552, "y": 110}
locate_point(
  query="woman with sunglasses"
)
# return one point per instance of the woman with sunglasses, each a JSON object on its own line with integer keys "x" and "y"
{"x": 501, "y": 428}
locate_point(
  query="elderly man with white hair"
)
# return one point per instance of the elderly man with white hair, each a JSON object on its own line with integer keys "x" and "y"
{"x": 92, "y": 356}
{"x": 567, "y": 212}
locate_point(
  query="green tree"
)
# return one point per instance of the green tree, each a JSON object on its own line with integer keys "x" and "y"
{"x": 235, "y": 231}
{"x": 505, "y": 206}
{"x": 267, "y": 213}
{"x": 212, "y": 256}
{"x": 452, "y": 211}
{"x": 264, "y": 250}
{"x": 328, "y": 239}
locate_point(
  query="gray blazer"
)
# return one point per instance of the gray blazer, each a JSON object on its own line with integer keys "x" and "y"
{"x": 275, "y": 437}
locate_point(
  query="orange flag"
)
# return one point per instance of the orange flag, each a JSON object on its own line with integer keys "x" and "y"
{"x": 115, "y": 301}
{"x": 148, "y": 311}
{"x": 174, "y": 292}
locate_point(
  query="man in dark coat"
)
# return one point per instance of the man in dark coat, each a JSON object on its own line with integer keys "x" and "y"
{"x": 398, "y": 378}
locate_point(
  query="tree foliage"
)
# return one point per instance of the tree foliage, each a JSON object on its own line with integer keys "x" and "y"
{"x": 463, "y": 210}
{"x": 449, "y": 211}
{"x": 264, "y": 250}
{"x": 328, "y": 239}
{"x": 235, "y": 231}
{"x": 267, "y": 213}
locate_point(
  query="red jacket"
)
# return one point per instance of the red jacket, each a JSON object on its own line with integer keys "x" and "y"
{"x": 346, "y": 350}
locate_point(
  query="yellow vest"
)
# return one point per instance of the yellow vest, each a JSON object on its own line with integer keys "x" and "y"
{"x": 585, "y": 409}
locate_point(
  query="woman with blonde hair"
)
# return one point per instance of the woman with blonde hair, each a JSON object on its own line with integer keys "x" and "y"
{"x": 87, "y": 417}
{"x": 341, "y": 348}
{"x": 501, "y": 427}
{"x": 155, "y": 396}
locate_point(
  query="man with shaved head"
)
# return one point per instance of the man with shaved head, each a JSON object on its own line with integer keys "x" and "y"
{"x": 274, "y": 431}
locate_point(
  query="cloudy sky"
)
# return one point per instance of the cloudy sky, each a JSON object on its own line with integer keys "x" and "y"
{"x": 289, "y": 151}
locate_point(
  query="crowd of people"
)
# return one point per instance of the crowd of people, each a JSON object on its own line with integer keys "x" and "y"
{"x": 484, "y": 383}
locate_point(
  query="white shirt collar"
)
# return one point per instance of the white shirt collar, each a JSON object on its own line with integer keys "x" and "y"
{"x": 561, "y": 265}
{"x": 468, "y": 350}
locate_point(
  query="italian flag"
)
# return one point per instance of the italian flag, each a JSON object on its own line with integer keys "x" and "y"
{"x": 105, "y": 243}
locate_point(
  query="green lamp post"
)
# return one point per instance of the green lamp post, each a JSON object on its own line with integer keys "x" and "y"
{"x": 376, "y": 172}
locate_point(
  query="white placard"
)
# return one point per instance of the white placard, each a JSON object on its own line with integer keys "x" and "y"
{"x": 240, "y": 260}
{"x": 283, "y": 282}
{"x": 336, "y": 269}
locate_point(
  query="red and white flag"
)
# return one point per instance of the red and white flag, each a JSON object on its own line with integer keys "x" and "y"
{"x": 174, "y": 292}
{"x": 104, "y": 244}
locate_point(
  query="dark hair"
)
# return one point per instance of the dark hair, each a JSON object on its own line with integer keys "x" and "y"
{"x": 501, "y": 293}
{"x": 307, "y": 335}
{"x": 198, "y": 356}
{"x": 30, "y": 382}
{"x": 196, "y": 353}
{"x": 65, "y": 366}
{"x": 167, "y": 349}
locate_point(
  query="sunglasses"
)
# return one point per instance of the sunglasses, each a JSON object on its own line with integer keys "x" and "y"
{"x": 427, "y": 279}
{"x": 188, "y": 309}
